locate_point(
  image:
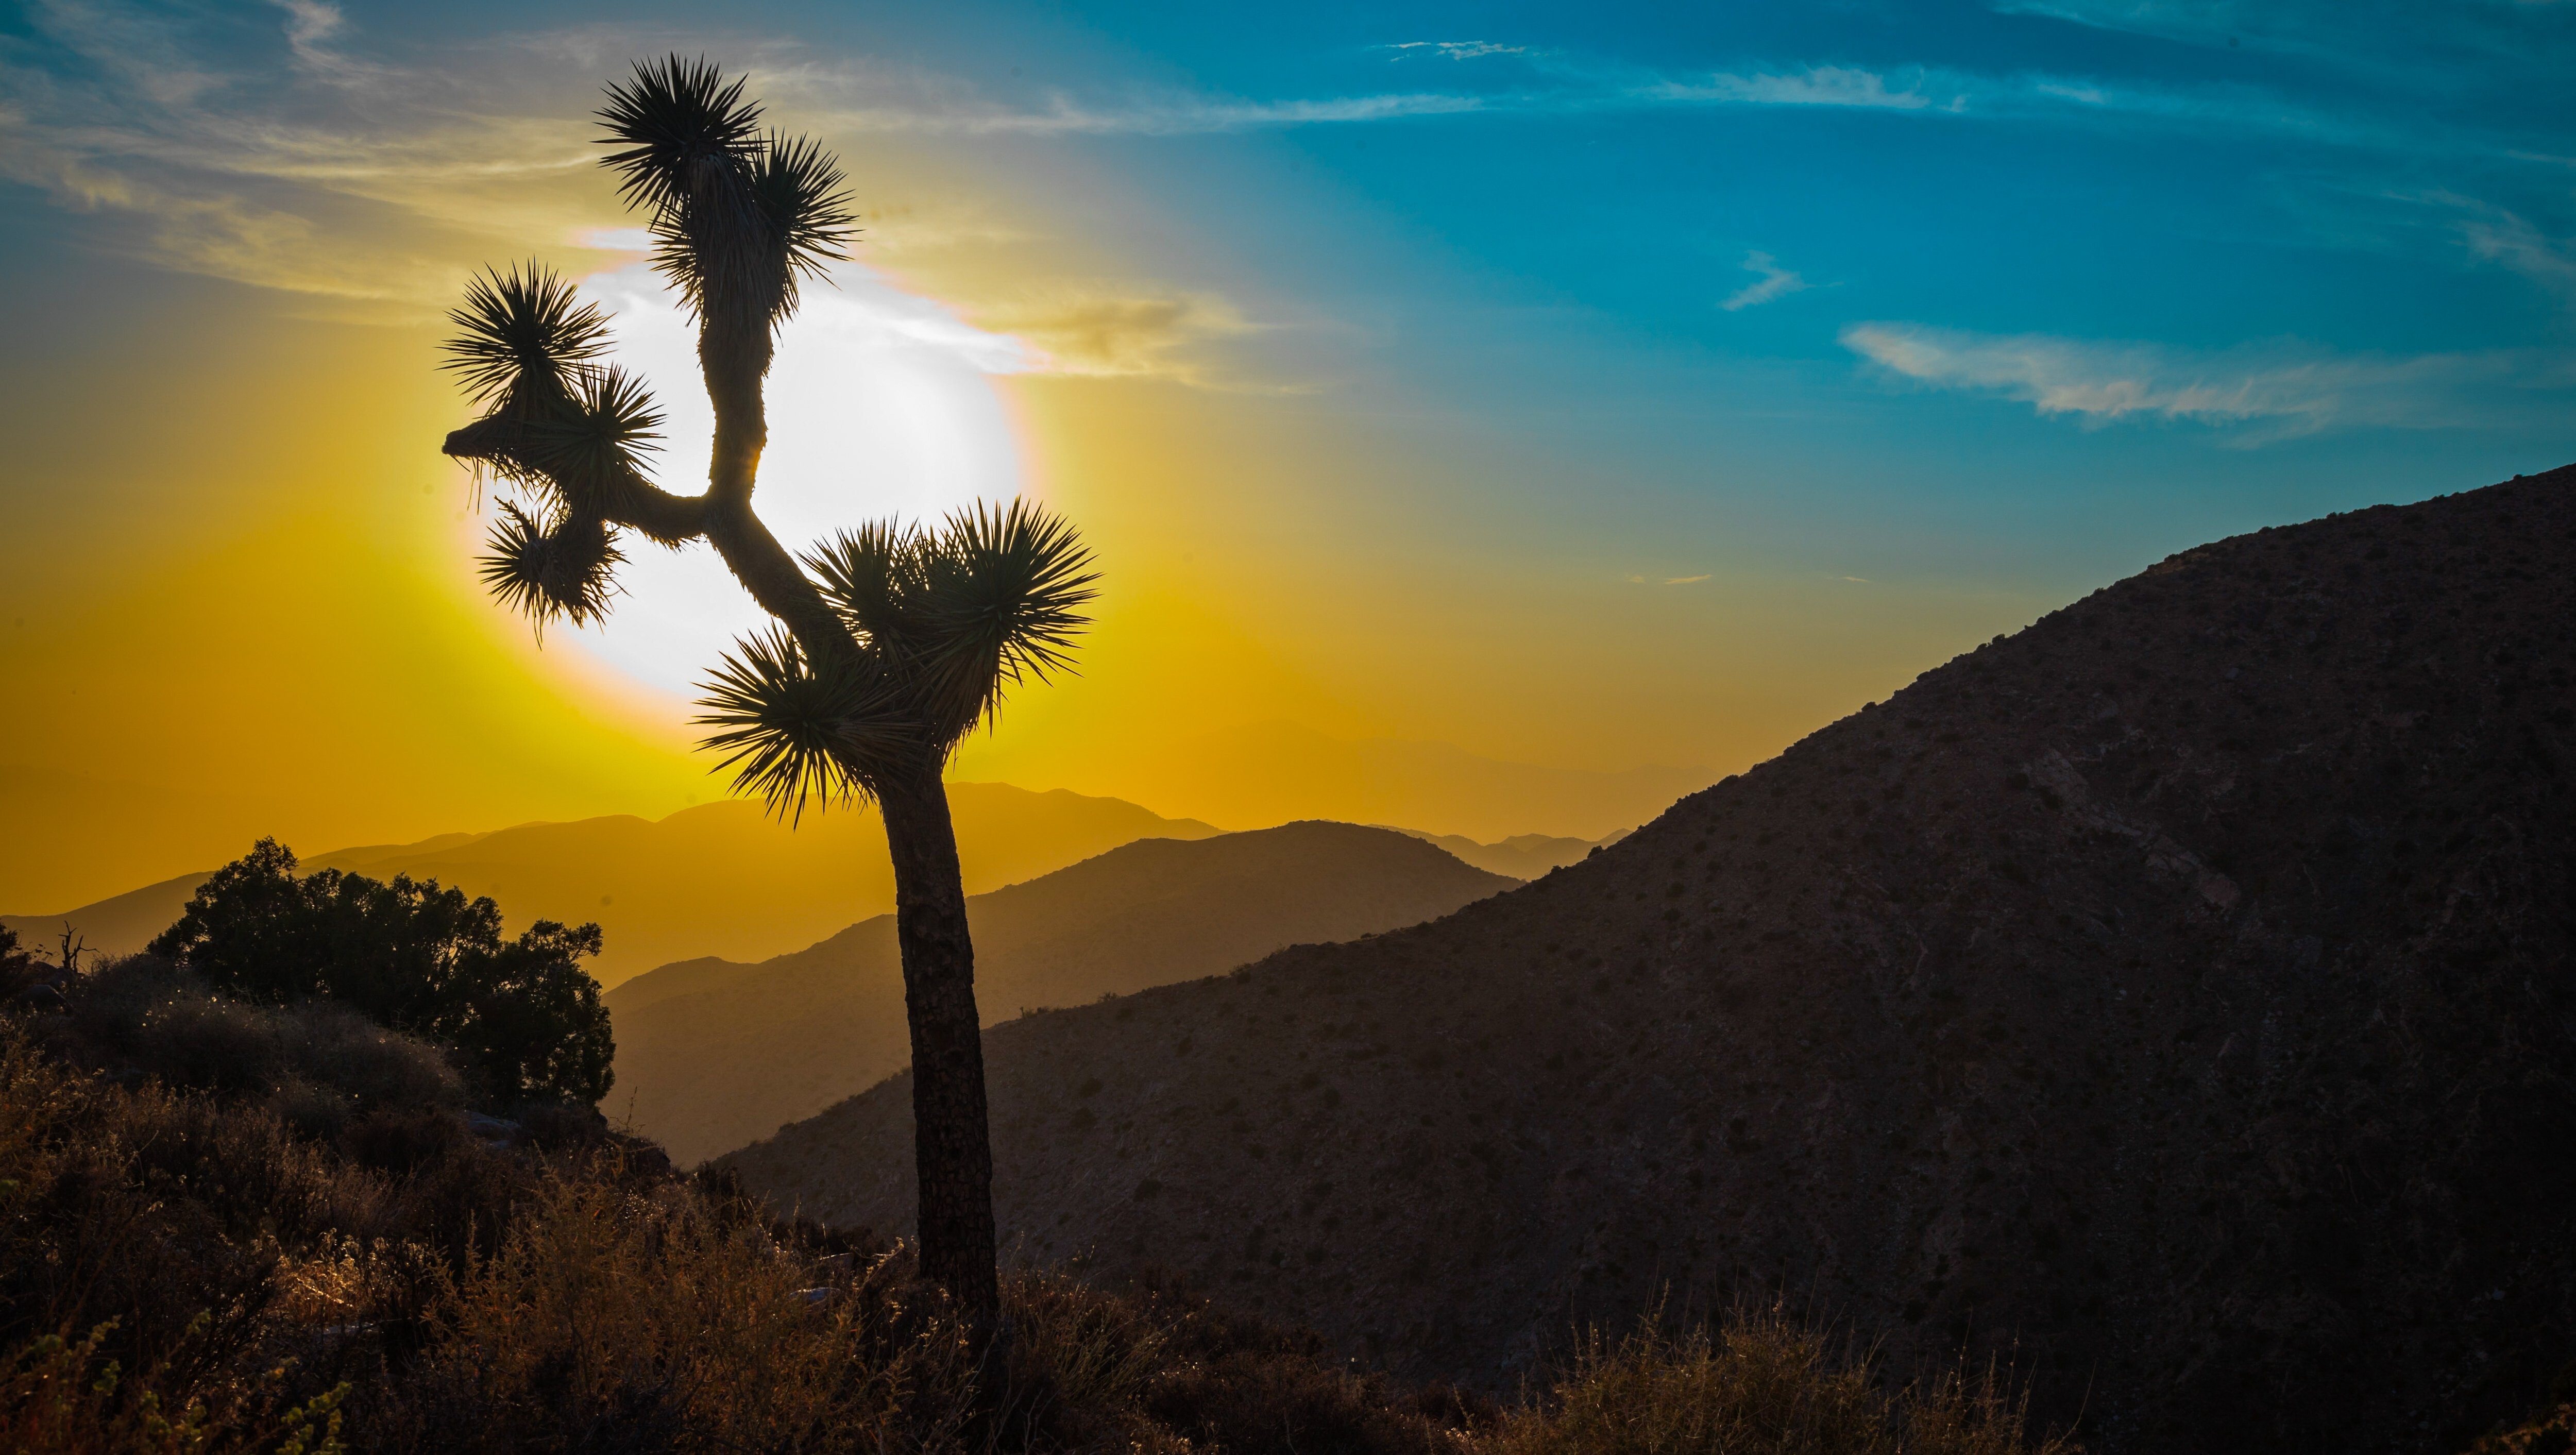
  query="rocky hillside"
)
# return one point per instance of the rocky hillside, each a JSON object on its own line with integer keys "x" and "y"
{"x": 2183, "y": 989}
{"x": 712, "y": 1054}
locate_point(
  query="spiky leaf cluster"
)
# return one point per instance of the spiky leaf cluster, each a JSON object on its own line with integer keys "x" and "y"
{"x": 522, "y": 340}
{"x": 561, "y": 566}
{"x": 738, "y": 216}
{"x": 949, "y": 619}
{"x": 794, "y": 731}
{"x": 593, "y": 443}
{"x": 570, "y": 432}
{"x": 991, "y": 598}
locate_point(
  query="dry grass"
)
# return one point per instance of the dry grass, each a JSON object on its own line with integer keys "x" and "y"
{"x": 625, "y": 1317}
{"x": 1764, "y": 1382}
{"x": 194, "y": 1270}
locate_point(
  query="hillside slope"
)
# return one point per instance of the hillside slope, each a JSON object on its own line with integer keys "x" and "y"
{"x": 711, "y": 1054}
{"x": 2184, "y": 988}
{"x": 719, "y": 879}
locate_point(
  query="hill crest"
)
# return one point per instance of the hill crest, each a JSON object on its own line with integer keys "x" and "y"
{"x": 712, "y": 1054}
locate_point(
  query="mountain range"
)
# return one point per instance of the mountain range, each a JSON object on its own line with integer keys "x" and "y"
{"x": 711, "y": 1054}
{"x": 2175, "y": 999}
{"x": 719, "y": 879}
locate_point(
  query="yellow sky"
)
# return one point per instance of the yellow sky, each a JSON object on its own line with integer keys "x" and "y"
{"x": 241, "y": 593}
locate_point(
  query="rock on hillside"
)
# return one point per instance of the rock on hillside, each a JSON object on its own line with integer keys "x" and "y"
{"x": 2182, "y": 987}
{"x": 711, "y": 1054}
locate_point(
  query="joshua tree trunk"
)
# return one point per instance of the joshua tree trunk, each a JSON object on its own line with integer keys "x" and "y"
{"x": 952, "y": 1146}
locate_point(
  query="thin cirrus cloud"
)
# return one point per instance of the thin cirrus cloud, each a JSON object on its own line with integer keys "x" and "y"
{"x": 288, "y": 184}
{"x": 342, "y": 178}
{"x": 2506, "y": 237}
{"x": 1774, "y": 282}
{"x": 1458, "y": 50}
{"x": 1816, "y": 86}
{"x": 2257, "y": 394}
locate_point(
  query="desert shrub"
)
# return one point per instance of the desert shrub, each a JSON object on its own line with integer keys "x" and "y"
{"x": 624, "y": 1318}
{"x": 61, "y": 1396}
{"x": 2551, "y": 1431}
{"x": 321, "y": 1062}
{"x": 409, "y": 955}
{"x": 340, "y": 1049}
{"x": 212, "y": 1043}
{"x": 1761, "y": 1381}
{"x": 20, "y": 971}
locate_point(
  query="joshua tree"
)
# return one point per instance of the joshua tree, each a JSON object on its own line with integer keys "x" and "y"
{"x": 890, "y": 643}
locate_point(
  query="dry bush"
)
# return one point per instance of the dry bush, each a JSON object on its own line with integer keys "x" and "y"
{"x": 624, "y": 1317}
{"x": 1764, "y": 1382}
{"x": 1172, "y": 1369}
{"x": 320, "y": 1063}
{"x": 340, "y": 1049}
{"x": 60, "y": 1397}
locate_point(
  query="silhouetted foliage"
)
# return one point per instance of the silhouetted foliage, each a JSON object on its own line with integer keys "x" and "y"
{"x": 891, "y": 643}
{"x": 410, "y": 955}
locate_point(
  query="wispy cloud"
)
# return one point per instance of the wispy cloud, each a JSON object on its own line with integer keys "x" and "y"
{"x": 369, "y": 189}
{"x": 1459, "y": 50}
{"x": 2513, "y": 240}
{"x": 314, "y": 169}
{"x": 2260, "y": 393}
{"x": 1105, "y": 333}
{"x": 1775, "y": 282}
{"x": 1813, "y": 86}
{"x": 1686, "y": 580}
{"x": 842, "y": 100}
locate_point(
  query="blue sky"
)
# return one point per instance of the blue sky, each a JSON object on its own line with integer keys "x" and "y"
{"x": 1735, "y": 362}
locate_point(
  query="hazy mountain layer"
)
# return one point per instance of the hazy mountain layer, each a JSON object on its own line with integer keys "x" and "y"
{"x": 719, "y": 879}
{"x": 712, "y": 1054}
{"x": 2184, "y": 988}
{"x": 1522, "y": 856}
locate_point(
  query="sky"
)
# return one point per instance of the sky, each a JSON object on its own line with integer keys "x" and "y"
{"x": 1604, "y": 388}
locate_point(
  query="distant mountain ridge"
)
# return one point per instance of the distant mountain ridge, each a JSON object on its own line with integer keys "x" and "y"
{"x": 2176, "y": 999}
{"x": 712, "y": 1054}
{"x": 1522, "y": 856}
{"x": 722, "y": 878}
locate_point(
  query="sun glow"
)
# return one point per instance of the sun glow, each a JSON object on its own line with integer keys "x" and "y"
{"x": 881, "y": 403}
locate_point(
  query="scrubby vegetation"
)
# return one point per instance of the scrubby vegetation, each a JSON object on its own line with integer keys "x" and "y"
{"x": 409, "y": 955}
{"x": 229, "y": 1227}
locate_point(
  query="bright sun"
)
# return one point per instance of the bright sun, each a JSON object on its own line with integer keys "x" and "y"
{"x": 881, "y": 404}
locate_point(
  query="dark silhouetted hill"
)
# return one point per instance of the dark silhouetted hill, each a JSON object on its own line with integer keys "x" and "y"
{"x": 719, "y": 879}
{"x": 2182, "y": 990}
{"x": 712, "y": 1054}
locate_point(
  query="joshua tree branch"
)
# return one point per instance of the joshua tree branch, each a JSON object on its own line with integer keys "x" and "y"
{"x": 773, "y": 578}
{"x": 639, "y": 505}
{"x": 755, "y": 557}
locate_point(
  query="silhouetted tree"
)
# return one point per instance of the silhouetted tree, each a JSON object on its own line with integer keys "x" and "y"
{"x": 410, "y": 955}
{"x": 890, "y": 642}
